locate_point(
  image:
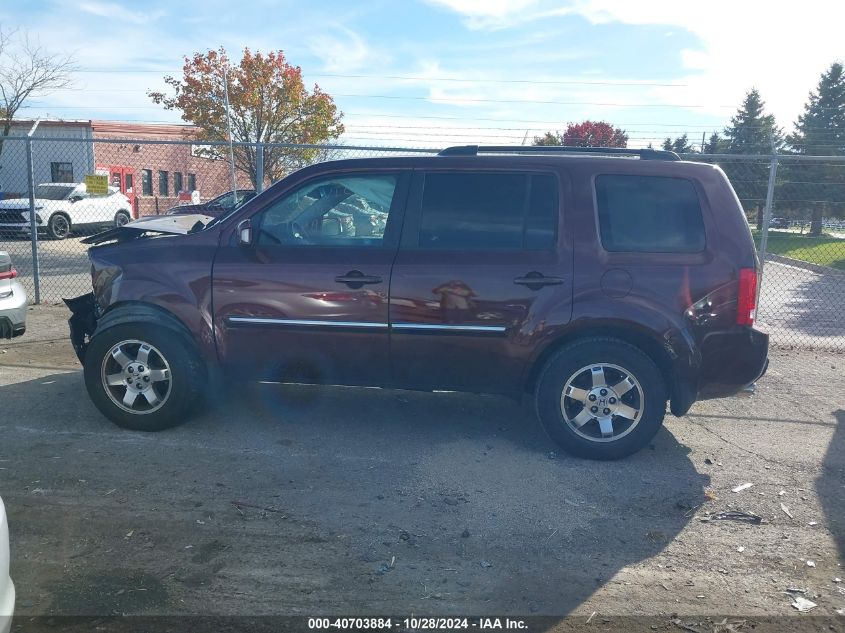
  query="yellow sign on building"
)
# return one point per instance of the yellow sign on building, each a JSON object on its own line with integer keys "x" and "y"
{"x": 97, "y": 185}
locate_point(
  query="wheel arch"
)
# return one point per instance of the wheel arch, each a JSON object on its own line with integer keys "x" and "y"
{"x": 141, "y": 311}
{"x": 61, "y": 212}
{"x": 671, "y": 354}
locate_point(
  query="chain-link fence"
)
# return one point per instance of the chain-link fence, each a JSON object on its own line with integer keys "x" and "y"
{"x": 79, "y": 186}
{"x": 795, "y": 206}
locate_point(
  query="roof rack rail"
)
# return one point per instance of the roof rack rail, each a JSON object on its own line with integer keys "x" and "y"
{"x": 474, "y": 150}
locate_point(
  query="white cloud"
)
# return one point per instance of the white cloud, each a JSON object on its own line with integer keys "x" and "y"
{"x": 500, "y": 14}
{"x": 485, "y": 8}
{"x": 779, "y": 48}
{"x": 343, "y": 51}
{"x": 119, "y": 13}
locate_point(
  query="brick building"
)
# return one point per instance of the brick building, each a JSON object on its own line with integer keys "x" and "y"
{"x": 151, "y": 175}
{"x": 158, "y": 173}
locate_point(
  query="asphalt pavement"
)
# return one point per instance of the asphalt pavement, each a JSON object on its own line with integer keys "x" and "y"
{"x": 312, "y": 501}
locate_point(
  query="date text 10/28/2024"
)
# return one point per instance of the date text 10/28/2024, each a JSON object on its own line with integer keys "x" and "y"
{"x": 417, "y": 624}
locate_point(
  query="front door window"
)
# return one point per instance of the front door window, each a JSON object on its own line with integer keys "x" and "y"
{"x": 341, "y": 211}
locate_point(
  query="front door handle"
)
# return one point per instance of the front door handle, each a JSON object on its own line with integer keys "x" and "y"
{"x": 535, "y": 281}
{"x": 356, "y": 279}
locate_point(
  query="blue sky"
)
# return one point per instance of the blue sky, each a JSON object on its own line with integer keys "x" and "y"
{"x": 437, "y": 72}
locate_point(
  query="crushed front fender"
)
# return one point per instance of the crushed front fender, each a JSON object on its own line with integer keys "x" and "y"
{"x": 83, "y": 322}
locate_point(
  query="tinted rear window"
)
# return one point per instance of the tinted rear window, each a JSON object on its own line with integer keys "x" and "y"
{"x": 651, "y": 214}
{"x": 472, "y": 211}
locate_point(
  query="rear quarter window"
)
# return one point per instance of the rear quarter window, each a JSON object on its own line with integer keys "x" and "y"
{"x": 649, "y": 214}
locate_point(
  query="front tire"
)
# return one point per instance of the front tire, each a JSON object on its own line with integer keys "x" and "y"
{"x": 601, "y": 398}
{"x": 143, "y": 377}
{"x": 122, "y": 218}
{"x": 58, "y": 226}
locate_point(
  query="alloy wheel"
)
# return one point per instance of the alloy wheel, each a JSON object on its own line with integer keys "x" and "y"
{"x": 60, "y": 226}
{"x": 136, "y": 376}
{"x": 602, "y": 402}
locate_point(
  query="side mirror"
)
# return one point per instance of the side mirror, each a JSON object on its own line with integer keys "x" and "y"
{"x": 245, "y": 233}
{"x": 74, "y": 199}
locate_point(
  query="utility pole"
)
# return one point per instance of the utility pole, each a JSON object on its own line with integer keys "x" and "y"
{"x": 229, "y": 127}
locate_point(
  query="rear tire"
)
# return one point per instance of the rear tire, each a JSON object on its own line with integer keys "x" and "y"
{"x": 144, "y": 377}
{"x": 601, "y": 398}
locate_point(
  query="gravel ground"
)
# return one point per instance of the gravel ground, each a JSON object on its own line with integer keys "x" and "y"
{"x": 295, "y": 500}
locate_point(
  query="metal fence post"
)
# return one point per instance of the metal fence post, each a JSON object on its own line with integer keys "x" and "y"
{"x": 33, "y": 226}
{"x": 767, "y": 211}
{"x": 259, "y": 167}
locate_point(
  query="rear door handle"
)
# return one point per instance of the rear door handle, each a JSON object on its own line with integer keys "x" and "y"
{"x": 535, "y": 280}
{"x": 356, "y": 279}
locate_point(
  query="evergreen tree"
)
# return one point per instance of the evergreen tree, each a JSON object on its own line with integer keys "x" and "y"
{"x": 714, "y": 145}
{"x": 820, "y": 131}
{"x": 751, "y": 131}
{"x": 680, "y": 145}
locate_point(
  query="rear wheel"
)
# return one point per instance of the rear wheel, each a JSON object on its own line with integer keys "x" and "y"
{"x": 601, "y": 398}
{"x": 58, "y": 226}
{"x": 143, "y": 377}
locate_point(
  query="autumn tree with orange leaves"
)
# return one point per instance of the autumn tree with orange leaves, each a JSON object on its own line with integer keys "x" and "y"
{"x": 268, "y": 102}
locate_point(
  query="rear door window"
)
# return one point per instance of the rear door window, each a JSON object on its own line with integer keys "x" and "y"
{"x": 649, "y": 214}
{"x": 489, "y": 211}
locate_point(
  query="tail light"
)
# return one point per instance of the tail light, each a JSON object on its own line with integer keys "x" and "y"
{"x": 9, "y": 274}
{"x": 746, "y": 301}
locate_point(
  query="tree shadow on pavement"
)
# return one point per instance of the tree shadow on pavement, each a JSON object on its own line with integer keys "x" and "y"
{"x": 830, "y": 484}
{"x": 352, "y": 501}
{"x": 803, "y": 303}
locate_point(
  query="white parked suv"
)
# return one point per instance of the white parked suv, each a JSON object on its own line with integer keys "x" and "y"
{"x": 7, "y": 588}
{"x": 64, "y": 207}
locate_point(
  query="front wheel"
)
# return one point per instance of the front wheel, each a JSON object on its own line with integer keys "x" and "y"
{"x": 122, "y": 218}
{"x": 58, "y": 226}
{"x": 601, "y": 398}
{"x": 143, "y": 377}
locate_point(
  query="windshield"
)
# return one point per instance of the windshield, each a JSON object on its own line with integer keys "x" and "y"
{"x": 244, "y": 196}
{"x": 52, "y": 192}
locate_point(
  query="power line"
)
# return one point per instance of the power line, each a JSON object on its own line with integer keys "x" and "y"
{"x": 456, "y": 100}
{"x": 551, "y": 82}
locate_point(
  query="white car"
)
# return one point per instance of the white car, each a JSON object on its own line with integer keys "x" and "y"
{"x": 12, "y": 300}
{"x": 64, "y": 207}
{"x": 7, "y": 588}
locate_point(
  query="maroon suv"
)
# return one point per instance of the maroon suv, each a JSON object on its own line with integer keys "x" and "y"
{"x": 600, "y": 286}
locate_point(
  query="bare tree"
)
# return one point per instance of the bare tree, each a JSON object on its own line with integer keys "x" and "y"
{"x": 27, "y": 70}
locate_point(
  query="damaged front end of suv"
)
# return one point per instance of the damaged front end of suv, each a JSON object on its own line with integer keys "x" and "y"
{"x": 106, "y": 275}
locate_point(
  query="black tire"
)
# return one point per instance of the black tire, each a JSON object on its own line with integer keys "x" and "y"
{"x": 187, "y": 376}
{"x": 122, "y": 217}
{"x": 648, "y": 396}
{"x": 58, "y": 226}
